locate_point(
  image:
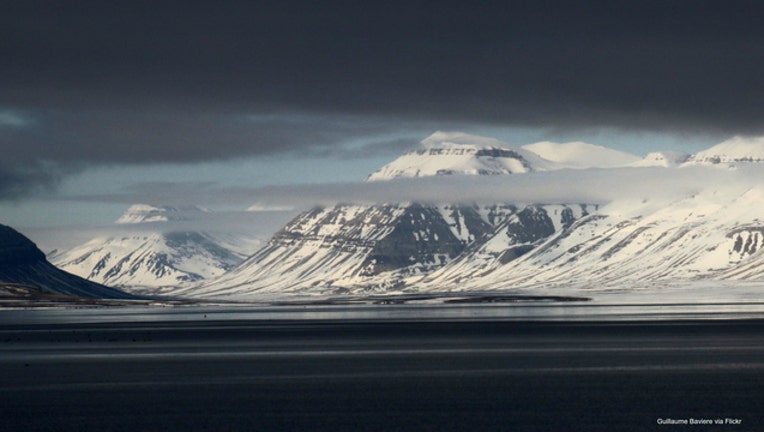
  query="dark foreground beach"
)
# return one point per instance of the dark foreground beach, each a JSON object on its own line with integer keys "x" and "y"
{"x": 356, "y": 375}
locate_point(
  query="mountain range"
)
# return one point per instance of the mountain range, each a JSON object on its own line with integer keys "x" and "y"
{"x": 707, "y": 232}
{"x": 415, "y": 247}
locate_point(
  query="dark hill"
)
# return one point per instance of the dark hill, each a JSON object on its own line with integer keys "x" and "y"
{"x": 22, "y": 263}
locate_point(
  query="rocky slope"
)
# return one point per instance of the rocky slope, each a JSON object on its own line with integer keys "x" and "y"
{"x": 351, "y": 248}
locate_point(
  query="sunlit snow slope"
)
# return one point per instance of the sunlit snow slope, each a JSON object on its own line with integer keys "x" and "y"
{"x": 150, "y": 257}
{"x": 731, "y": 151}
{"x": 581, "y": 155}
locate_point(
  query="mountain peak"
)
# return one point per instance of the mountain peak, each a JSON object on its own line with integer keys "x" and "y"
{"x": 667, "y": 159}
{"x": 15, "y": 247}
{"x": 735, "y": 149}
{"x": 458, "y": 153}
{"x": 144, "y": 213}
{"x": 581, "y": 155}
{"x": 460, "y": 140}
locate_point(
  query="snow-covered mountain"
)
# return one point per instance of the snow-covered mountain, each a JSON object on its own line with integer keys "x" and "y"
{"x": 734, "y": 150}
{"x": 347, "y": 248}
{"x": 456, "y": 153}
{"x": 710, "y": 235}
{"x": 707, "y": 233}
{"x": 144, "y": 213}
{"x": 140, "y": 254}
{"x": 705, "y": 230}
{"x": 666, "y": 159}
{"x": 23, "y": 266}
{"x": 380, "y": 247}
{"x": 581, "y": 155}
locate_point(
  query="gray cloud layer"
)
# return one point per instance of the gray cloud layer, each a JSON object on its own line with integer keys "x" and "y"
{"x": 172, "y": 81}
{"x": 651, "y": 186}
{"x": 592, "y": 186}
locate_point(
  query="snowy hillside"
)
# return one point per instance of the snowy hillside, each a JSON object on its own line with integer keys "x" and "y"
{"x": 147, "y": 257}
{"x": 714, "y": 235}
{"x": 143, "y": 213}
{"x": 632, "y": 242}
{"x": 581, "y": 155}
{"x": 348, "y": 248}
{"x": 666, "y": 159}
{"x": 733, "y": 150}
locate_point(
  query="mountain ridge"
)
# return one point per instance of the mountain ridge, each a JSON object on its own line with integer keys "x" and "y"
{"x": 517, "y": 245}
{"x": 667, "y": 233}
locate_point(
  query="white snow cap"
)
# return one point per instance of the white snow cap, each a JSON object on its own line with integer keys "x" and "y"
{"x": 735, "y": 149}
{"x": 458, "y": 153}
{"x": 581, "y": 155}
{"x": 143, "y": 213}
{"x": 667, "y": 159}
{"x": 441, "y": 139}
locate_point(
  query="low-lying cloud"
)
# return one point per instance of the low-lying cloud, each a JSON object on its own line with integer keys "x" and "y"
{"x": 276, "y": 205}
{"x": 594, "y": 186}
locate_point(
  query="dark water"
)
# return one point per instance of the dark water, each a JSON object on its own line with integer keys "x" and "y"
{"x": 528, "y": 311}
{"x": 359, "y": 374}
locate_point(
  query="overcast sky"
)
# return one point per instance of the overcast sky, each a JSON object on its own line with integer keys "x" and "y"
{"x": 100, "y": 100}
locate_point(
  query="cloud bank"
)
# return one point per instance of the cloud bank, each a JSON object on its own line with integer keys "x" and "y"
{"x": 276, "y": 205}
{"x": 593, "y": 186}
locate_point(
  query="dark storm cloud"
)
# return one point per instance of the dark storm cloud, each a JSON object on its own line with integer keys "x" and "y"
{"x": 18, "y": 181}
{"x": 183, "y": 135}
{"x": 161, "y": 81}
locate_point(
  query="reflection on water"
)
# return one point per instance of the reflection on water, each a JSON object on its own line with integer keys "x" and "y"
{"x": 564, "y": 311}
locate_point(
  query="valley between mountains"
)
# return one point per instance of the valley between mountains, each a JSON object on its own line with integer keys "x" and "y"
{"x": 596, "y": 218}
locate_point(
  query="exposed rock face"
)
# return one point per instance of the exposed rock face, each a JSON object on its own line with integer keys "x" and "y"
{"x": 376, "y": 248}
{"x": 532, "y": 224}
{"x": 419, "y": 237}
